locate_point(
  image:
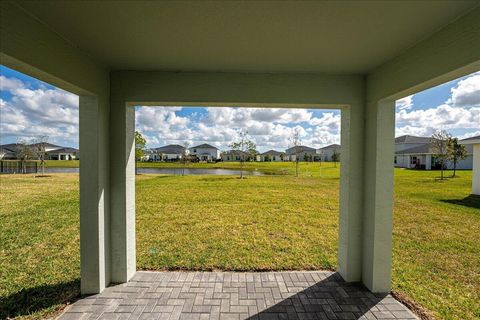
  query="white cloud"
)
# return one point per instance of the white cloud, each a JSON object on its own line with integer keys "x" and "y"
{"x": 269, "y": 128}
{"x": 467, "y": 92}
{"x": 29, "y": 113}
{"x": 461, "y": 111}
{"x": 404, "y": 103}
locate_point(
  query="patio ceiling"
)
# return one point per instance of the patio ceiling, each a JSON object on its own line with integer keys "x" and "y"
{"x": 344, "y": 37}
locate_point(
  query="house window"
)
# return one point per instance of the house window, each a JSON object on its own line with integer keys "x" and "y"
{"x": 395, "y": 160}
{"x": 413, "y": 160}
{"x": 273, "y": 158}
{"x": 195, "y": 150}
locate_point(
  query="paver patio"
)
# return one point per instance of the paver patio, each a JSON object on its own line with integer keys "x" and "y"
{"x": 232, "y": 295}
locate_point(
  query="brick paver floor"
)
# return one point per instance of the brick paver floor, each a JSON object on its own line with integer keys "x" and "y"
{"x": 234, "y": 295}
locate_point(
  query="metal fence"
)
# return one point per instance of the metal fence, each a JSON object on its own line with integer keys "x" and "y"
{"x": 17, "y": 166}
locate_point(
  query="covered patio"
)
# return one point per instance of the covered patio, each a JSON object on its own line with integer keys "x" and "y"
{"x": 359, "y": 57}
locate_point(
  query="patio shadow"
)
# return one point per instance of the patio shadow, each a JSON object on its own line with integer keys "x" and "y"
{"x": 472, "y": 201}
{"x": 28, "y": 301}
{"x": 333, "y": 298}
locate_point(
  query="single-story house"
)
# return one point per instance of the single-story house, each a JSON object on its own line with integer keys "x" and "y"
{"x": 234, "y": 156}
{"x": 304, "y": 153}
{"x": 205, "y": 152}
{"x": 416, "y": 153}
{"x": 48, "y": 146}
{"x": 8, "y": 151}
{"x": 171, "y": 152}
{"x": 271, "y": 155}
{"x": 326, "y": 153}
{"x": 64, "y": 153}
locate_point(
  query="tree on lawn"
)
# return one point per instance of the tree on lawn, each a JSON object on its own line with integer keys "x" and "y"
{"x": 439, "y": 145}
{"x": 23, "y": 152}
{"x": 140, "y": 143}
{"x": 335, "y": 157}
{"x": 295, "y": 145}
{"x": 456, "y": 152}
{"x": 185, "y": 157}
{"x": 245, "y": 147}
{"x": 38, "y": 149}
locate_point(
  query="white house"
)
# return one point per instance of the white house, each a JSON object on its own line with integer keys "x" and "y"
{"x": 8, "y": 151}
{"x": 474, "y": 142}
{"x": 233, "y": 156}
{"x": 416, "y": 153}
{"x": 171, "y": 152}
{"x": 271, "y": 155}
{"x": 205, "y": 152}
{"x": 63, "y": 153}
{"x": 304, "y": 153}
{"x": 327, "y": 152}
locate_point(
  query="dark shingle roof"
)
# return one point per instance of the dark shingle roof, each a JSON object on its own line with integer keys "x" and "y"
{"x": 48, "y": 145}
{"x": 64, "y": 150}
{"x": 412, "y": 139}
{"x": 300, "y": 149}
{"x": 332, "y": 146}
{"x": 9, "y": 147}
{"x": 204, "y": 146}
{"x": 427, "y": 149}
{"x": 272, "y": 153}
{"x": 234, "y": 152}
{"x": 471, "y": 138}
{"x": 171, "y": 148}
{"x": 416, "y": 150}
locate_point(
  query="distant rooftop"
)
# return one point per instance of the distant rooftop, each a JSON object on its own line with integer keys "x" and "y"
{"x": 204, "y": 146}
{"x": 272, "y": 153}
{"x": 171, "y": 148}
{"x": 412, "y": 139}
{"x": 332, "y": 146}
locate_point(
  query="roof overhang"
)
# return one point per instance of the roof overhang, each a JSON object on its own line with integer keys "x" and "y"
{"x": 331, "y": 37}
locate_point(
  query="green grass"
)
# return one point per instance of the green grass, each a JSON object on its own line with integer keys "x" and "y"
{"x": 271, "y": 222}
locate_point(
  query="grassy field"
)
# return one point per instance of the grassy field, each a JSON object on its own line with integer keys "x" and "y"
{"x": 436, "y": 233}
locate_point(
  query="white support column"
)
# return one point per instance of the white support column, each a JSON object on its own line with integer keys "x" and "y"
{"x": 94, "y": 222}
{"x": 378, "y": 196}
{"x": 476, "y": 170}
{"x": 428, "y": 162}
{"x": 122, "y": 182}
{"x": 351, "y": 193}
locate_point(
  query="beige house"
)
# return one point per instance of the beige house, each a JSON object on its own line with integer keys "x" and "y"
{"x": 271, "y": 156}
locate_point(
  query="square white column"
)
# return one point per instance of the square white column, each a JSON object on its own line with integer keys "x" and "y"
{"x": 351, "y": 193}
{"x": 378, "y": 195}
{"x": 122, "y": 200}
{"x": 94, "y": 207}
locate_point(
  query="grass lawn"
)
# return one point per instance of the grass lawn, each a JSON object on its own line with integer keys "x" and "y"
{"x": 436, "y": 233}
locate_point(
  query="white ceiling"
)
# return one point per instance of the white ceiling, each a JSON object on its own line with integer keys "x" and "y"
{"x": 327, "y": 37}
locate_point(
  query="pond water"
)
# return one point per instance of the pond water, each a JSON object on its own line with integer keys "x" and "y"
{"x": 173, "y": 171}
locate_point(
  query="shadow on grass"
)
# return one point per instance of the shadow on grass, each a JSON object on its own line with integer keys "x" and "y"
{"x": 472, "y": 201}
{"x": 28, "y": 301}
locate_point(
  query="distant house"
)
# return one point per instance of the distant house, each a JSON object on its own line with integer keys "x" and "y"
{"x": 205, "y": 152}
{"x": 304, "y": 153}
{"x": 48, "y": 146}
{"x": 8, "y": 151}
{"x": 271, "y": 155}
{"x": 416, "y": 153}
{"x": 64, "y": 153}
{"x": 327, "y": 152}
{"x": 171, "y": 152}
{"x": 52, "y": 152}
{"x": 234, "y": 156}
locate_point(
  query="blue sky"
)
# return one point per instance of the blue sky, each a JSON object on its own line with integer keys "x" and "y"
{"x": 30, "y": 108}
